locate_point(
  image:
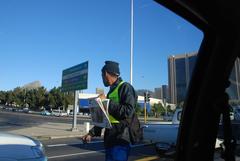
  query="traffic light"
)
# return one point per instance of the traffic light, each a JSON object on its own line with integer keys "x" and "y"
{"x": 146, "y": 97}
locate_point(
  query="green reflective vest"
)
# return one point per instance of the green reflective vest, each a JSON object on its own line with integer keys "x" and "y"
{"x": 113, "y": 96}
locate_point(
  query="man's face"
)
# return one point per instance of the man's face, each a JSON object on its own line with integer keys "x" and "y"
{"x": 105, "y": 79}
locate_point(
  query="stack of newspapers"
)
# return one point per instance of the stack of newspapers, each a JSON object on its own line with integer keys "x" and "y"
{"x": 99, "y": 112}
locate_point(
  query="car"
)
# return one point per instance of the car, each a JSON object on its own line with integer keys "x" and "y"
{"x": 167, "y": 117}
{"x": 59, "y": 113}
{"x": 45, "y": 113}
{"x": 20, "y": 148}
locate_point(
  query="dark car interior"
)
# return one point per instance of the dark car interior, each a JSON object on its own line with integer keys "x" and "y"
{"x": 207, "y": 99}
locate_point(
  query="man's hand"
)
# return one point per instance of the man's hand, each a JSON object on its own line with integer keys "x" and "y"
{"x": 86, "y": 138}
{"x": 102, "y": 96}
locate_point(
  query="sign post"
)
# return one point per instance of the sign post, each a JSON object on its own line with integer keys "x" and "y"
{"x": 74, "y": 79}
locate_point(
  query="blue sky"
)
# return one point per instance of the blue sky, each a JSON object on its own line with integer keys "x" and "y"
{"x": 40, "y": 38}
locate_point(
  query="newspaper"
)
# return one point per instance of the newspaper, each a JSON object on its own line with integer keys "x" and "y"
{"x": 99, "y": 112}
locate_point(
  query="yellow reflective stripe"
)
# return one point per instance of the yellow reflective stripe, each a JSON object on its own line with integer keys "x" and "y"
{"x": 112, "y": 119}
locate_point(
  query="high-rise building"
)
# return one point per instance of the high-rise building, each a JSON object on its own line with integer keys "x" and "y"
{"x": 158, "y": 93}
{"x": 234, "y": 89}
{"x": 165, "y": 93}
{"x": 180, "y": 69}
{"x": 179, "y": 73}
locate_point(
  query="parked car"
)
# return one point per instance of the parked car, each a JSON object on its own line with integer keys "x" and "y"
{"x": 59, "y": 113}
{"x": 167, "y": 117}
{"x": 164, "y": 134}
{"x": 45, "y": 113}
{"x": 20, "y": 148}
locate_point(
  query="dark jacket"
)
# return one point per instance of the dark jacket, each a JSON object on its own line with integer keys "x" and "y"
{"x": 119, "y": 133}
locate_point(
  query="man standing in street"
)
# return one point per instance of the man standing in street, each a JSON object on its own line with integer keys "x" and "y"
{"x": 123, "y": 100}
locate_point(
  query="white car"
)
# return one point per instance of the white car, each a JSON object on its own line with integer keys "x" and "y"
{"x": 20, "y": 148}
{"x": 59, "y": 113}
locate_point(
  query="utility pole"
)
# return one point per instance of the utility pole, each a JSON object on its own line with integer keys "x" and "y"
{"x": 75, "y": 109}
{"x": 146, "y": 99}
{"x": 131, "y": 52}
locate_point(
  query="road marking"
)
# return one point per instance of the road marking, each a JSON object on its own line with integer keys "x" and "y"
{"x": 92, "y": 142}
{"x": 68, "y": 155}
{"x": 80, "y": 143}
{"x": 138, "y": 145}
{"x": 89, "y": 152}
{"x": 148, "y": 158}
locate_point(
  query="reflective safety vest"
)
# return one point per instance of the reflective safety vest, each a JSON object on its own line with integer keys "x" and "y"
{"x": 113, "y": 96}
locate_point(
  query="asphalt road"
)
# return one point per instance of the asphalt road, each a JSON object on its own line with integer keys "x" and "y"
{"x": 74, "y": 150}
{"x": 31, "y": 119}
{"x": 69, "y": 149}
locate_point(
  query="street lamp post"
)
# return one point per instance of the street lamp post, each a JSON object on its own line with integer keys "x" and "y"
{"x": 131, "y": 52}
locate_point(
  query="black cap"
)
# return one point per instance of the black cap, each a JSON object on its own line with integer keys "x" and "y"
{"x": 111, "y": 67}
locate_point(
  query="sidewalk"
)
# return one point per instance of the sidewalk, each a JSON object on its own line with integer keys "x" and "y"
{"x": 52, "y": 131}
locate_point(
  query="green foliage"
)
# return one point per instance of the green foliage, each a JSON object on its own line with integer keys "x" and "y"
{"x": 157, "y": 109}
{"x": 37, "y": 98}
{"x": 68, "y": 99}
{"x": 9, "y": 98}
{"x": 138, "y": 110}
{"x": 2, "y": 97}
{"x": 169, "y": 110}
{"x": 56, "y": 98}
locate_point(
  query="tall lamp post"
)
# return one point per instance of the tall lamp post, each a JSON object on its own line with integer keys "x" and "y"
{"x": 131, "y": 52}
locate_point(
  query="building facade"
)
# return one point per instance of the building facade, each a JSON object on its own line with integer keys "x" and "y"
{"x": 180, "y": 70}
{"x": 158, "y": 93}
{"x": 165, "y": 93}
{"x": 234, "y": 89}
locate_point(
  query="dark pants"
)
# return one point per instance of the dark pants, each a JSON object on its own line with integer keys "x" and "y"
{"x": 117, "y": 153}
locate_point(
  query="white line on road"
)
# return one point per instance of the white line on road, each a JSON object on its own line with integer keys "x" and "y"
{"x": 68, "y": 155}
{"x": 58, "y": 145}
{"x": 138, "y": 145}
{"x": 84, "y": 153}
{"x": 93, "y": 142}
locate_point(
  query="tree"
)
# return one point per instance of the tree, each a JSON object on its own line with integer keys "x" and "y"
{"x": 138, "y": 109}
{"x": 9, "y": 98}
{"x": 56, "y": 98}
{"x": 40, "y": 97}
{"x": 157, "y": 109}
{"x": 31, "y": 99}
{"x": 18, "y": 96}
{"x": 68, "y": 99}
{"x": 2, "y": 97}
{"x": 169, "y": 110}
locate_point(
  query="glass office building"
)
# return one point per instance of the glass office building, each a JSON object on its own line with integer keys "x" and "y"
{"x": 180, "y": 68}
{"x": 234, "y": 89}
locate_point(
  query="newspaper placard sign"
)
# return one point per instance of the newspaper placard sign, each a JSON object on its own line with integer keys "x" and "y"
{"x": 99, "y": 112}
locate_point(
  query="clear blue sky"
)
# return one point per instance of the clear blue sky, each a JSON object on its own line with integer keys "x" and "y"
{"x": 40, "y": 38}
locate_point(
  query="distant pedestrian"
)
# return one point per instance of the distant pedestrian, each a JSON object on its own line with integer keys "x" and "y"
{"x": 125, "y": 124}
